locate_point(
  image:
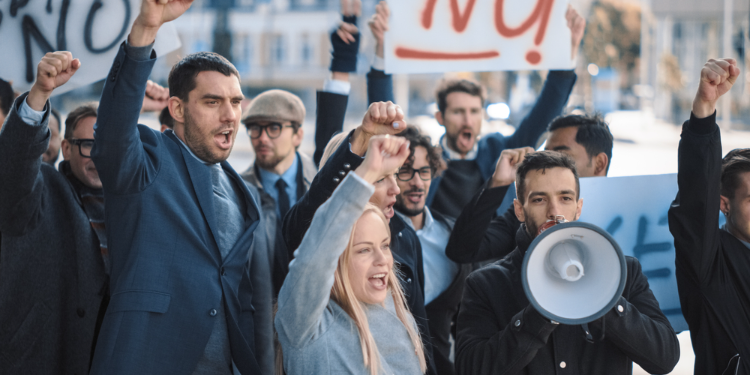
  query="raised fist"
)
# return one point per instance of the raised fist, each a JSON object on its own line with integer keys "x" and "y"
{"x": 385, "y": 154}
{"x": 53, "y": 71}
{"x": 156, "y": 98}
{"x": 383, "y": 118}
{"x": 507, "y": 165}
{"x": 717, "y": 77}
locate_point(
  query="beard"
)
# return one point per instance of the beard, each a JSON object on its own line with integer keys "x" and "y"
{"x": 269, "y": 162}
{"x": 200, "y": 142}
{"x": 400, "y": 206}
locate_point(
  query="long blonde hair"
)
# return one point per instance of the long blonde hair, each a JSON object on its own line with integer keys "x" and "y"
{"x": 343, "y": 294}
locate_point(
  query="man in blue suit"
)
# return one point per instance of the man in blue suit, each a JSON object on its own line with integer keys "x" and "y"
{"x": 180, "y": 220}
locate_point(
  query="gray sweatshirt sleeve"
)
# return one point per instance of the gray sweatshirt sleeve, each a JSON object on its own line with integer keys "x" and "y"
{"x": 306, "y": 291}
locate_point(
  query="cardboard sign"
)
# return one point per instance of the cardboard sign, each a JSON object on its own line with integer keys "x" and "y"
{"x": 91, "y": 29}
{"x": 428, "y": 36}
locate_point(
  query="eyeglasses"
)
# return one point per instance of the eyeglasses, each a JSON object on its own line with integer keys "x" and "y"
{"x": 273, "y": 130}
{"x": 407, "y": 173}
{"x": 84, "y": 146}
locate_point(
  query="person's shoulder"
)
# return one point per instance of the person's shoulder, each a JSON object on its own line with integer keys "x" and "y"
{"x": 499, "y": 272}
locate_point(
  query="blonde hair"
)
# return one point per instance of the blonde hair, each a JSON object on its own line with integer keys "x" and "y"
{"x": 331, "y": 147}
{"x": 343, "y": 294}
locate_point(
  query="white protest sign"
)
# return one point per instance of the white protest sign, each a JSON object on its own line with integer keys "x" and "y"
{"x": 91, "y": 29}
{"x": 432, "y": 36}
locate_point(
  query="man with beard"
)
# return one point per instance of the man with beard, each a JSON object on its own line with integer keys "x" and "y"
{"x": 478, "y": 235}
{"x": 470, "y": 158}
{"x": 500, "y": 332}
{"x": 443, "y": 279}
{"x": 54, "y": 264}
{"x": 180, "y": 219}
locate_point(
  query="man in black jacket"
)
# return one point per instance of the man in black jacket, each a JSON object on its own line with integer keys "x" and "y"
{"x": 499, "y": 332}
{"x": 53, "y": 274}
{"x": 477, "y": 236}
{"x": 712, "y": 262}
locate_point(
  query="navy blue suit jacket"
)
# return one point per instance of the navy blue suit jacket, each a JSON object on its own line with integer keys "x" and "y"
{"x": 168, "y": 277}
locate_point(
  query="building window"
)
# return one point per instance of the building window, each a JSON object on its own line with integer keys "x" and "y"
{"x": 306, "y": 54}
{"x": 278, "y": 49}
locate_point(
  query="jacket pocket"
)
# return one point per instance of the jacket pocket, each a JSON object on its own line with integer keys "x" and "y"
{"x": 27, "y": 333}
{"x": 139, "y": 300}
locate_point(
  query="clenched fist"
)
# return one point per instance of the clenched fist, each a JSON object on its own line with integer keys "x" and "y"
{"x": 717, "y": 77}
{"x": 53, "y": 71}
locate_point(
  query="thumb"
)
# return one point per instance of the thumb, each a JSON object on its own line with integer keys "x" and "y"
{"x": 734, "y": 72}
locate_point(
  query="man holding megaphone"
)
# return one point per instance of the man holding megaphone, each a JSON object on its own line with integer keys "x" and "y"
{"x": 502, "y": 327}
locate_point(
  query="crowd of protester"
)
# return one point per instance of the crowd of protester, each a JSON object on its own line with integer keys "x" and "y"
{"x": 381, "y": 253}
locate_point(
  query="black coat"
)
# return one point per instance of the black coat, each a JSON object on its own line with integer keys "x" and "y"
{"x": 712, "y": 265}
{"x": 405, "y": 245}
{"x": 52, "y": 278}
{"x": 500, "y": 333}
{"x": 477, "y": 236}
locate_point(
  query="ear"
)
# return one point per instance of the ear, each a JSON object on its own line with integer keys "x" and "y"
{"x": 298, "y": 136}
{"x": 518, "y": 208}
{"x": 66, "y": 148}
{"x": 724, "y": 205}
{"x": 601, "y": 162}
{"x": 439, "y": 117}
{"x": 578, "y": 209}
{"x": 177, "y": 109}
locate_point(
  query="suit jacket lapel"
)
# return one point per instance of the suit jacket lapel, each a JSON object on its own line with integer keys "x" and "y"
{"x": 252, "y": 213}
{"x": 200, "y": 176}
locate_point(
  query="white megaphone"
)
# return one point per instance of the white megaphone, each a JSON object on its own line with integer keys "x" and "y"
{"x": 573, "y": 273}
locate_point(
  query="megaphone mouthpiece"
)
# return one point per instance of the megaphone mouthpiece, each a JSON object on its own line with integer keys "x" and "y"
{"x": 566, "y": 261}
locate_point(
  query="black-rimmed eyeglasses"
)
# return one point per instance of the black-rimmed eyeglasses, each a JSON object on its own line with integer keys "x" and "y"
{"x": 84, "y": 146}
{"x": 407, "y": 173}
{"x": 273, "y": 130}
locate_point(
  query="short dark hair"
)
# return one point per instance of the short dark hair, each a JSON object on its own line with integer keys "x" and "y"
{"x": 182, "y": 76}
{"x": 6, "y": 96}
{"x": 417, "y": 139}
{"x": 593, "y": 133}
{"x": 733, "y": 165}
{"x": 449, "y": 86}
{"x": 56, "y": 115}
{"x": 78, "y": 114}
{"x": 541, "y": 161}
{"x": 165, "y": 118}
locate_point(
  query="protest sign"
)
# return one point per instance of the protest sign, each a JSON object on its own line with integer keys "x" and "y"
{"x": 428, "y": 36}
{"x": 634, "y": 211}
{"x": 91, "y": 29}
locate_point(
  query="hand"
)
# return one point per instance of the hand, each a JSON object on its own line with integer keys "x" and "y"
{"x": 379, "y": 25}
{"x": 155, "y": 13}
{"x": 156, "y": 98}
{"x": 381, "y": 118}
{"x": 385, "y": 154}
{"x": 507, "y": 165}
{"x": 717, "y": 77}
{"x": 577, "y": 26}
{"x": 53, "y": 71}
{"x": 346, "y": 32}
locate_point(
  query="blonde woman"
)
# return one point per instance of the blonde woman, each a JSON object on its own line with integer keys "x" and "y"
{"x": 341, "y": 308}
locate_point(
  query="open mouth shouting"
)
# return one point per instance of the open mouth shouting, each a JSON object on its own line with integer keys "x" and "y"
{"x": 388, "y": 210}
{"x": 224, "y": 139}
{"x": 465, "y": 140}
{"x": 378, "y": 280}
